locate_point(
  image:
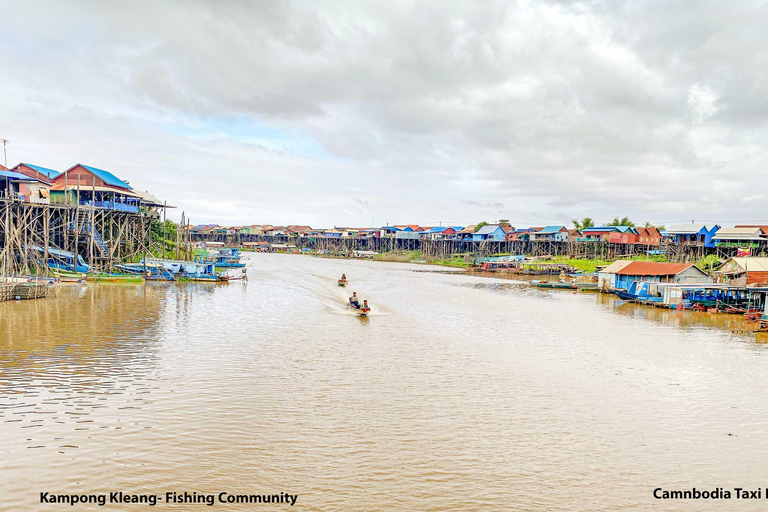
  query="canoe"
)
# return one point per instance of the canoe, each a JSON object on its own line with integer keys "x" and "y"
{"x": 561, "y": 286}
{"x": 115, "y": 278}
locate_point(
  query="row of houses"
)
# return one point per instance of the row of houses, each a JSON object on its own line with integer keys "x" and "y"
{"x": 80, "y": 184}
{"x": 737, "y": 271}
{"x": 685, "y": 234}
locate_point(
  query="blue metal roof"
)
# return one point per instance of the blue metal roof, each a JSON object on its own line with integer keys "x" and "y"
{"x": 16, "y": 176}
{"x": 550, "y": 229}
{"x": 50, "y": 173}
{"x": 437, "y": 230}
{"x": 600, "y": 228}
{"x": 108, "y": 177}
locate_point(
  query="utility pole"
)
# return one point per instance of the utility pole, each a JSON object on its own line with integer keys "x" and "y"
{"x": 5, "y": 163}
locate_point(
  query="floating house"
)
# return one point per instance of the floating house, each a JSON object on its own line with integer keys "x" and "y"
{"x": 692, "y": 234}
{"x": 682, "y": 273}
{"x": 739, "y": 237}
{"x": 89, "y": 186}
{"x": 62, "y": 260}
{"x": 606, "y": 278}
{"x": 744, "y": 271}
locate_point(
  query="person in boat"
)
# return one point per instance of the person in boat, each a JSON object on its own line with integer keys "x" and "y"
{"x": 343, "y": 278}
{"x": 365, "y": 304}
{"x": 354, "y": 301}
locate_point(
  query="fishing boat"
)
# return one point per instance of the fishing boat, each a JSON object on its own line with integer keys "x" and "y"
{"x": 148, "y": 271}
{"x": 69, "y": 277}
{"x": 114, "y": 278}
{"x": 557, "y": 285}
{"x": 223, "y": 258}
{"x": 361, "y": 310}
{"x": 196, "y": 271}
{"x": 62, "y": 260}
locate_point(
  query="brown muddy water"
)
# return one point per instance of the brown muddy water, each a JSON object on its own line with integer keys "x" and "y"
{"x": 458, "y": 393}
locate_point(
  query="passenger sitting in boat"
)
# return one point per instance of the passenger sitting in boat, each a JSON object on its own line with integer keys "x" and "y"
{"x": 354, "y": 300}
{"x": 365, "y": 305}
{"x": 343, "y": 278}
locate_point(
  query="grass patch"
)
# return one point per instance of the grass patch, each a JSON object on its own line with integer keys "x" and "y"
{"x": 591, "y": 264}
{"x": 399, "y": 256}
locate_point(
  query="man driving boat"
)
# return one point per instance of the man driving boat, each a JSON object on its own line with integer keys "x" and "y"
{"x": 353, "y": 300}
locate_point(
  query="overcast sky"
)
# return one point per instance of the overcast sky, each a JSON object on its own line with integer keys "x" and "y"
{"x": 362, "y": 112}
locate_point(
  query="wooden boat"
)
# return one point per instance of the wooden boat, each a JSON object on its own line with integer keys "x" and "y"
{"x": 342, "y": 283}
{"x": 557, "y": 285}
{"x": 361, "y": 311}
{"x": 115, "y": 278}
{"x": 69, "y": 277}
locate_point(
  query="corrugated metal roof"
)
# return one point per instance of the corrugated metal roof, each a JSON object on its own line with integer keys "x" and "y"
{"x": 108, "y": 177}
{"x": 752, "y": 264}
{"x": 50, "y": 173}
{"x": 616, "y": 266}
{"x": 487, "y": 230}
{"x": 741, "y": 233}
{"x": 600, "y": 228}
{"x": 652, "y": 268}
{"x": 551, "y": 229}
{"x": 688, "y": 229}
{"x": 16, "y": 176}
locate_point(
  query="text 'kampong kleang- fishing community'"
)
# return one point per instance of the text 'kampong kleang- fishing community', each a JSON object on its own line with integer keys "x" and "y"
{"x": 85, "y": 225}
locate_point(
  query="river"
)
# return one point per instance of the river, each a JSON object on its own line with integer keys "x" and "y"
{"x": 458, "y": 393}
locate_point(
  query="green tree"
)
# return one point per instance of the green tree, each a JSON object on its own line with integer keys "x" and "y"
{"x": 649, "y": 225}
{"x": 586, "y": 222}
{"x": 621, "y": 222}
{"x": 480, "y": 225}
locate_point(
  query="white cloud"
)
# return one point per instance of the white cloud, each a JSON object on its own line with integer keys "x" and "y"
{"x": 397, "y": 110}
{"x": 701, "y": 101}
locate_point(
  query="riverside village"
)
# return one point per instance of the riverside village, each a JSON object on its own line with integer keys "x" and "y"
{"x": 89, "y": 226}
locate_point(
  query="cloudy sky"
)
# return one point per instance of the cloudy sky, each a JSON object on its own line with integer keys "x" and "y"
{"x": 358, "y": 112}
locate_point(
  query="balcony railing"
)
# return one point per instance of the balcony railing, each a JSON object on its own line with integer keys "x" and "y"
{"x": 111, "y": 205}
{"x": 737, "y": 244}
